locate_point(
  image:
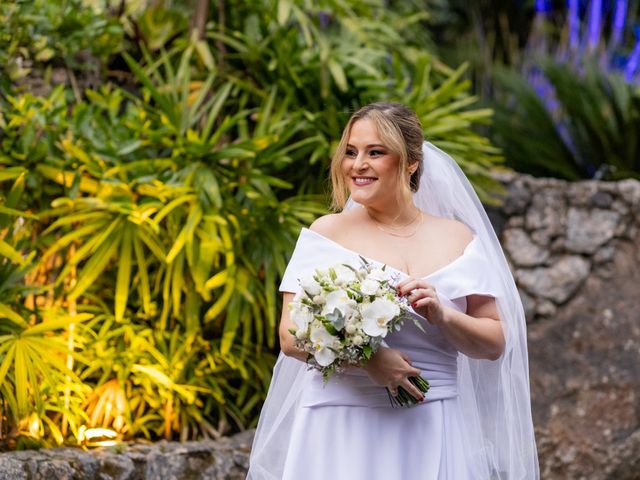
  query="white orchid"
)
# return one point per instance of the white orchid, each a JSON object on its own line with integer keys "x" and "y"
{"x": 338, "y": 299}
{"x": 301, "y": 316}
{"x": 323, "y": 344}
{"x": 376, "y": 315}
{"x": 336, "y": 321}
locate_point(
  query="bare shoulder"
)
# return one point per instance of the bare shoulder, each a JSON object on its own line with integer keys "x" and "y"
{"x": 455, "y": 232}
{"x": 332, "y": 225}
{"x": 326, "y": 224}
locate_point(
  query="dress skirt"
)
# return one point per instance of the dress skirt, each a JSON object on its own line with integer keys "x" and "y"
{"x": 334, "y": 442}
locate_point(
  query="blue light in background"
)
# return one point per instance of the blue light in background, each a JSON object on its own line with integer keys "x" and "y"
{"x": 632, "y": 63}
{"x": 543, "y": 6}
{"x": 595, "y": 24}
{"x": 619, "y": 21}
{"x": 574, "y": 25}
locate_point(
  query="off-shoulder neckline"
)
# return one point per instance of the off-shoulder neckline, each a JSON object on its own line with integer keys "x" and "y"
{"x": 373, "y": 260}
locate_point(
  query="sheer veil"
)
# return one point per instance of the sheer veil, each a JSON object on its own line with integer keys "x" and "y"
{"x": 494, "y": 395}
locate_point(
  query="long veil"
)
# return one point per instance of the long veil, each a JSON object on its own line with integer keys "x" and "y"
{"x": 494, "y": 395}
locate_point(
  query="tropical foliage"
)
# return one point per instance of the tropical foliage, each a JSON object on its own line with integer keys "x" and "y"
{"x": 563, "y": 77}
{"x": 144, "y": 224}
{"x": 589, "y": 132}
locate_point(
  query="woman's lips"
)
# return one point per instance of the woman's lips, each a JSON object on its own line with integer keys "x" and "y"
{"x": 363, "y": 181}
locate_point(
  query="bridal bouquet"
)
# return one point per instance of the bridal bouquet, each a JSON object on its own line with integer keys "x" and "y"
{"x": 342, "y": 315}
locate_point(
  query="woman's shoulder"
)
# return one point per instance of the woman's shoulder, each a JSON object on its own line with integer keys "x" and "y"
{"x": 333, "y": 224}
{"x": 456, "y": 233}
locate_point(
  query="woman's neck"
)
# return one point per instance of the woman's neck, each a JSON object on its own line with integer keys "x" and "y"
{"x": 396, "y": 216}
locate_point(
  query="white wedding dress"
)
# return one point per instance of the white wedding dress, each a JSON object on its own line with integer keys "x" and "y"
{"x": 475, "y": 422}
{"x": 347, "y": 429}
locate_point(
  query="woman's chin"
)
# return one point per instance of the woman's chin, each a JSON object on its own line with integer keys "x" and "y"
{"x": 360, "y": 197}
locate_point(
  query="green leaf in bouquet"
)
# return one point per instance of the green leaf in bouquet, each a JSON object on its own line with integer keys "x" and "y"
{"x": 337, "y": 320}
{"x": 328, "y": 325}
{"x": 332, "y": 274}
{"x": 367, "y": 352}
{"x": 416, "y": 322}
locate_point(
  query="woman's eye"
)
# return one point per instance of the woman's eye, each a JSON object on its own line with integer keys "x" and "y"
{"x": 351, "y": 153}
{"x": 375, "y": 153}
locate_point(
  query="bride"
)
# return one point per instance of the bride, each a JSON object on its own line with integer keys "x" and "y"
{"x": 410, "y": 209}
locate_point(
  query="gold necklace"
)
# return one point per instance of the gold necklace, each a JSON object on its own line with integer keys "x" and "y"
{"x": 380, "y": 227}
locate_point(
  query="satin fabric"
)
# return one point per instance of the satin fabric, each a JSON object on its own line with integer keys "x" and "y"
{"x": 346, "y": 428}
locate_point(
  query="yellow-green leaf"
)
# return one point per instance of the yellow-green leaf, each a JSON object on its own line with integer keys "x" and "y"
{"x": 124, "y": 274}
{"x": 8, "y": 251}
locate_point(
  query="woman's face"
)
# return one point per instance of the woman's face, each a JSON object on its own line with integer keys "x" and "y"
{"x": 370, "y": 168}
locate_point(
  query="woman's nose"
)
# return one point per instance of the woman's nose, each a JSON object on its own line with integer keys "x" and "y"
{"x": 359, "y": 162}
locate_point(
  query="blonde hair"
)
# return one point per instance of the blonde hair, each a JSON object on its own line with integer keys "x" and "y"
{"x": 399, "y": 129}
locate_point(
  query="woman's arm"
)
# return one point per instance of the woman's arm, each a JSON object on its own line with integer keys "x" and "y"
{"x": 477, "y": 333}
{"x": 287, "y": 343}
{"x": 388, "y": 367}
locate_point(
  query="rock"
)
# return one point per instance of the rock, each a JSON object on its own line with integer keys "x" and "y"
{"x": 115, "y": 467}
{"x": 624, "y": 461}
{"x": 605, "y": 254}
{"x": 545, "y": 308}
{"x": 52, "y": 468}
{"x": 557, "y": 282}
{"x": 11, "y": 468}
{"x": 600, "y": 199}
{"x": 529, "y": 305}
{"x": 83, "y": 463}
{"x": 523, "y": 252}
{"x": 547, "y": 215}
{"x": 588, "y": 230}
{"x": 630, "y": 191}
{"x": 517, "y": 198}
{"x": 585, "y": 382}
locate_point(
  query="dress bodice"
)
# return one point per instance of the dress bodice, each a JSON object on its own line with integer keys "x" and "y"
{"x": 429, "y": 350}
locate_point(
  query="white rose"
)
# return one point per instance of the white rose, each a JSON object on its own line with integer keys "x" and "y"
{"x": 323, "y": 342}
{"x": 338, "y": 299}
{"x": 310, "y": 286}
{"x": 369, "y": 287}
{"x": 357, "y": 340}
{"x": 350, "y": 329}
{"x": 376, "y": 315}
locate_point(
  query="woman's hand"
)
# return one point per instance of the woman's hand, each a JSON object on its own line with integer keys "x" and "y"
{"x": 477, "y": 332}
{"x": 423, "y": 298}
{"x": 392, "y": 368}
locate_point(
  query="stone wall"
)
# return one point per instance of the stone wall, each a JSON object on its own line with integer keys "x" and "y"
{"x": 575, "y": 253}
{"x": 226, "y": 459}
